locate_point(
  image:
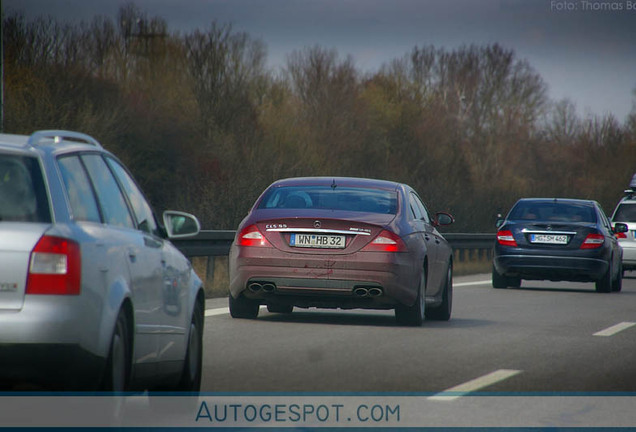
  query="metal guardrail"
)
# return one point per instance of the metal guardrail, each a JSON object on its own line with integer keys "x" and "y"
{"x": 217, "y": 243}
{"x": 470, "y": 240}
{"x": 206, "y": 243}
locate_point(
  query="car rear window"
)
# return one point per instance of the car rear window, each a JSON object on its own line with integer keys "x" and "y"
{"x": 327, "y": 198}
{"x": 23, "y": 195}
{"x": 625, "y": 213}
{"x": 553, "y": 212}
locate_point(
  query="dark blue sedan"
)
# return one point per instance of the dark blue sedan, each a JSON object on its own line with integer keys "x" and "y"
{"x": 558, "y": 240}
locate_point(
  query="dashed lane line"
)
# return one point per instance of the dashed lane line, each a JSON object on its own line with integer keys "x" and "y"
{"x": 218, "y": 311}
{"x": 611, "y": 331}
{"x": 463, "y": 284}
{"x": 223, "y": 311}
{"x": 474, "y": 385}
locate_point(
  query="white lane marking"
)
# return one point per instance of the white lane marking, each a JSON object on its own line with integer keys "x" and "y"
{"x": 223, "y": 311}
{"x": 474, "y": 385}
{"x": 219, "y": 311}
{"x": 611, "y": 331}
{"x": 485, "y": 282}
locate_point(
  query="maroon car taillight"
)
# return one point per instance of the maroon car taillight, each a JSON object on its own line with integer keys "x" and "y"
{"x": 386, "y": 241}
{"x": 251, "y": 236}
{"x": 54, "y": 267}
{"x": 593, "y": 241}
{"x": 505, "y": 238}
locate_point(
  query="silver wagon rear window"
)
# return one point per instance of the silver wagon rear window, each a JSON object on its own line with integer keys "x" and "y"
{"x": 23, "y": 196}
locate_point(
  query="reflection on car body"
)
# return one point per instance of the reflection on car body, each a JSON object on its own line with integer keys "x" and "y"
{"x": 93, "y": 296}
{"x": 558, "y": 240}
{"x": 341, "y": 243}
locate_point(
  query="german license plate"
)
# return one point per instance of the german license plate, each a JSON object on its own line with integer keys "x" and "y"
{"x": 549, "y": 238}
{"x": 317, "y": 241}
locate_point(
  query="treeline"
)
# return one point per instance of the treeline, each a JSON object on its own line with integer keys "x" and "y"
{"x": 205, "y": 125}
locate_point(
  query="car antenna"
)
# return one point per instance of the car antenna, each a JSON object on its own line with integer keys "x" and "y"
{"x": 334, "y": 185}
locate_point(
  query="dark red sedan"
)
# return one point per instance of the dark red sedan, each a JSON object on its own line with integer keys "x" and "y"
{"x": 345, "y": 243}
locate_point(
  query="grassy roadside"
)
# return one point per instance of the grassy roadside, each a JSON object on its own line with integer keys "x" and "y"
{"x": 472, "y": 266}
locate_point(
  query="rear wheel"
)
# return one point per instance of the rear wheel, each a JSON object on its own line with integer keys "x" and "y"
{"x": 498, "y": 280}
{"x": 191, "y": 376}
{"x": 443, "y": 311}
{"x": 413, "y": 315}
{"x": 514, "y": 282}
{"x": 604, "y": 285}
{"x": 617, "y": 284}
{"x": 117, "y": 366}
{"x": 242, "y": 307}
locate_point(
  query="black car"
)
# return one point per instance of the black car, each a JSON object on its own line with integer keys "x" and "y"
{"x": 558, "y": 240}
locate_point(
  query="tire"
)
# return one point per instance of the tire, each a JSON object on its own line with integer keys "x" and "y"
{"x": 242, "y": 307}
{"x": 604, "y": 285}
{"x": 413, "y": 316}
{"x": 617, "y": 284}
{"x": 513, "y": 282}
{"x": 278, "y": 308}
{"x": 193, "y": 364}
{"x": 444, "y": 310}
{"x": 499, "y": 281}
{"x": 118, "y": 363}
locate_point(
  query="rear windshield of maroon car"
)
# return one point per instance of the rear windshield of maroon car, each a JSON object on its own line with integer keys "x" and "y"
{"x": 23, "y": 196}
{"x": 327, "y": 198}
{"x": 553, "y": 212}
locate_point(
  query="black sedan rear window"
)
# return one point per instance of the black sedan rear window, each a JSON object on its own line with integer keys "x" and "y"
{"x": 23, "y": 196}
{"x": 553, "y": 212}
{"x": 327, "y": 198}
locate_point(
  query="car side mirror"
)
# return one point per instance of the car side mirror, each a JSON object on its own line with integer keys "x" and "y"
{"x": 620, "y": 227}
{"x": 499, "y": 221}
{"x": 442, "y": 218}
{"x": 179, "y": 224}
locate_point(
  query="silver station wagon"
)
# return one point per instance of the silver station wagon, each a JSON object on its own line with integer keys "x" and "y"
{"x": 93, "y": 296}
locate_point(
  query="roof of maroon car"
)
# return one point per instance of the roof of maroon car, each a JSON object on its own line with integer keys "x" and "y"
{"x": 339, "y": 181}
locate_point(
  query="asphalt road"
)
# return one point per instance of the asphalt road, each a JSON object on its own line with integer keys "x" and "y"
{"x": 542, "y": 337}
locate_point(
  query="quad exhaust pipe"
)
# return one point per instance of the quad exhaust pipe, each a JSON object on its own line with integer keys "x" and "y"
{"x": 267, "y": 287}
{"x": 375, "y": 292}
{"x": 367, "y": 291}
{"x": 360, "y": 291}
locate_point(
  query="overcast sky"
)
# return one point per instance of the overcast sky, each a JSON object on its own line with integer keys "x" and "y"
{"x": 584, "y": 51}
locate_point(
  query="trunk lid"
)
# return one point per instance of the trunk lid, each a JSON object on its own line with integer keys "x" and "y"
{"x": 17, "y": 240}
{"x": 324, "y": 232}
{"x": 541, "y": 235}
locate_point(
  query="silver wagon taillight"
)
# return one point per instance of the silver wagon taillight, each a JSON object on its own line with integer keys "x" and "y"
{"x": 54, "y": 267}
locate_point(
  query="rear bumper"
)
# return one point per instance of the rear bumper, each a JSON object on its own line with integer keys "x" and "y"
{"x": 556, "y": 268}
{"x": 52, "y": 341}
{"x": 629, "y": 254}
{"x": 323, "y": 281}
{"x": 50, "y": 366}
